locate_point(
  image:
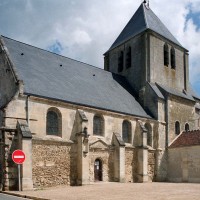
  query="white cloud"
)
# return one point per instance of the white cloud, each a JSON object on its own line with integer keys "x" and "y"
{"x": 86, "y": 29}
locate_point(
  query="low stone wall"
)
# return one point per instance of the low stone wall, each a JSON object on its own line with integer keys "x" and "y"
{"x": 151, "y": 164}
{"x": 130, "y": 165}
{"x": 184, "y": 164}
{"x": 51, "y": 163}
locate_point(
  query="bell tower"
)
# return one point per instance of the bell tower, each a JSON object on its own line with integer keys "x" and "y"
{"x": 145, "y": 50}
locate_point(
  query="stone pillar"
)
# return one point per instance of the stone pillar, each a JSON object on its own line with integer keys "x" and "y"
{"x": 119, "y": 155}
{"x": 27, "y": 181}
{"x": 83, "y": 159}
{"x": 122, "y": 164}
{"x": 82, "y": 137}
{"x": 143, "y": 156}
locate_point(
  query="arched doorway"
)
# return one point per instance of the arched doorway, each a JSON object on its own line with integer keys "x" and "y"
{"x": 98, "y": 170}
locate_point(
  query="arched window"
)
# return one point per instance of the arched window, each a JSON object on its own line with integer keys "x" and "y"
{"x": 177, "y": 128}
{"x": 128, "y": 58}
{"x": 166, "y": 55}
{"x": 187, "y": 127}
{"x": 149, "y": 134}
{"x": 53, "y": 122}
{"x": 126, "y": 131}
{"x": 173, "y": 58}
{"x": 98, "y": 125}
{"x": 120, "y": 61}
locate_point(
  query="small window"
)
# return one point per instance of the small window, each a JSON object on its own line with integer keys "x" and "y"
{"x": 149, "y": 134}
{"x": 166, "y": 55}
{"x": 120, "y": 61}
{"x": 177, "y": 128}
{"x": 187, "y": 127}
{"x": 173, "y": 58}
{"x": 128, "y": 58}
{"x": 98, "y": 125}
{"x": 126, "y": 131}
{"x": 53, "y": 123}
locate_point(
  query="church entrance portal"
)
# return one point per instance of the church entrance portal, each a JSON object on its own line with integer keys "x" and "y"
{"x": 98, "y": 170}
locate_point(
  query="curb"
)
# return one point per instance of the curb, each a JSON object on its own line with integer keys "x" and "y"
{"x": 23, "y": 196}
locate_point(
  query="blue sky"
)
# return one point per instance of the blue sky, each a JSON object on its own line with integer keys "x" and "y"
{"x": 84, "y": 30}
{"x": 194, "y": 16}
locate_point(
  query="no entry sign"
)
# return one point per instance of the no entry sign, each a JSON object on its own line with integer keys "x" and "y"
{"x": 18, "y": 156}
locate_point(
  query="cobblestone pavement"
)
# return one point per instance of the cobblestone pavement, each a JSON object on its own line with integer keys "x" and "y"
{"x": 120, "y": 191}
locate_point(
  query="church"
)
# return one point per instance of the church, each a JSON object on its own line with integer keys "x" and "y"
{"x": 78, "y": 124}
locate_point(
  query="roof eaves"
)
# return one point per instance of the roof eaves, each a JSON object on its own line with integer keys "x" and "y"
{"x": 169, "y": 92}
{"x": 175, "y": 43}
{"x": 96, "y": 107}
{"x": 126, "y": 40}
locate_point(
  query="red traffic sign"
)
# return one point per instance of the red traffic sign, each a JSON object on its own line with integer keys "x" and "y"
{"x": 18, "y": 156}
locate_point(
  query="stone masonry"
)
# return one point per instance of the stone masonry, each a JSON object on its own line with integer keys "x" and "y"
{"x": 51, "y": 163}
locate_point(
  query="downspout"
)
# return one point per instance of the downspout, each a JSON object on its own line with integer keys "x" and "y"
{"x": 167, "y": 134}
{"x": 167, "y": 122}
{"x": 27, "y": 109}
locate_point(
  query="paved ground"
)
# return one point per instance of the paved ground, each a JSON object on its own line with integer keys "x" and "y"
{"x": 120, "y": 191}
{"x": 8, "y": 197}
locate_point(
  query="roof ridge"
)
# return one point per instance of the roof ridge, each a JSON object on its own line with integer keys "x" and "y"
{"x": 55, "y": 53}
{"x": 145, "y": 18}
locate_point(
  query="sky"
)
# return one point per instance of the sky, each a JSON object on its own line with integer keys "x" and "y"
{"x": 85, "y": 29}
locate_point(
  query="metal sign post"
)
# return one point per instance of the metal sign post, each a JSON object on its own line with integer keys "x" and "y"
{"x": 18, "y": 156}
{"x": 19, "y": 177}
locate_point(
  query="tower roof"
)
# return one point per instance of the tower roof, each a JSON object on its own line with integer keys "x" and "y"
{"x": 143, "y": 19}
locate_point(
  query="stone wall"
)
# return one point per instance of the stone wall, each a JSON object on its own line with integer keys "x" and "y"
{"x": 170, "y": 77}
{"x": 151, "y": 164}
{"x": 180, "y": 110}
{"x": 51, "y": 163}
{"x": 136, "y": 73}
{"x": 130, "y": 165}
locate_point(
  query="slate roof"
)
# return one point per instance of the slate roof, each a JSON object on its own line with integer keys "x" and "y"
{"x": 74, "y": 82}
{"x": 190, "y": 138}
{"x": 175, "y": 92}
{"x": 156, "y": 90}
{"x": 143, "y": 19}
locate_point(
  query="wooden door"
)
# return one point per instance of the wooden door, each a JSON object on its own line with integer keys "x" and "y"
{"x": 98, "y": 170}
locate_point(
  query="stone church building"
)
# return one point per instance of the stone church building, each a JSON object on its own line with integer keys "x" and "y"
{"x": 78, "y": 124}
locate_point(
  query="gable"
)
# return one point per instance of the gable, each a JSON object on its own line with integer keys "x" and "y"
{"x": 99, "y": 145}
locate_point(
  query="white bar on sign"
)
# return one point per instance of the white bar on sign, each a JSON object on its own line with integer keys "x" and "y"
{"x": 18, "y": 156}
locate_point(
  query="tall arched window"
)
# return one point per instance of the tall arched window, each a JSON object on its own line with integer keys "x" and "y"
{"x": 126, "y": 131}
{"x": 177, "y": 128}
{"x": 53, "y": 122}
{"x": 149, "y": 134}
{"x": 98, "y": 125}
{"x": 128, "y": 58}
{"x": 187, "y": 127}
{"x": 173, "y": 58}
{"x": 120, "y": 61}
{"x": 166, "y": 55}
